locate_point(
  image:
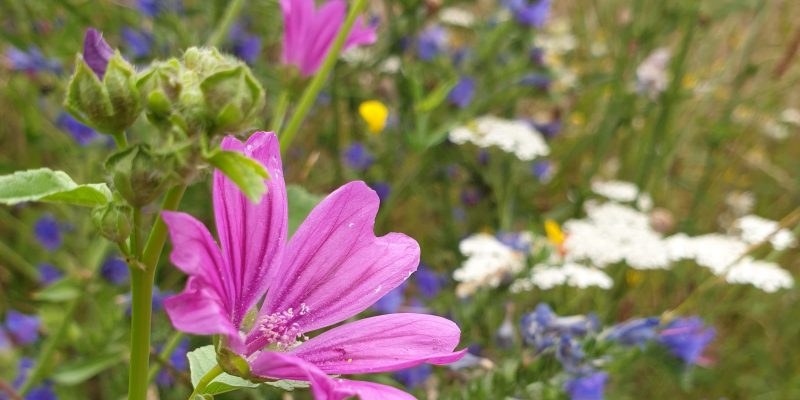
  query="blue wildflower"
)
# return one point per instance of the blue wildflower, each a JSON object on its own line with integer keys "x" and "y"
{"x": 542, "y": 170}
{"x": 178, "y": 361}
{"x": 82, "y": 134}
{"x": 431, "y": 42}
{"x": 382, "y": 189}
{"x": 462, "y": 93}
{"x": 461, "y": 55}
{"x": 151, "y": 8}
{"x": 139, "y": 43}
{"x": 518, "y": 241}
{"x": 505, "y": 333}
{"x": 530, "y": 12}
{"x": 483, "y": 157}
{"x": 413, "y": 377}
{"x": 549, "y": 129}
{"x": 115, "y": 271}
{"x": 391, "y": 301}
{"x": 23, "y": 328}
{"x": 31, "y": 61}
{"x": 542, "y": 327}
{"x": 5, "y": 341}
{"x": 428, "y": 281}
{"x": 358, "y": 157}
{"x": 539, "y": 81}
{"x": 570, "y": 353}
{"x": 587, "y": 387}
{"x": 687, "y": 338}
{"x": 48, "y": 273}
{"x": 48, "y": 232}
{"x": 471, "y": 196}
{"x": 245, "y": 45}
{"x": 43, "y": 392}
{"x": 635, "y": 332}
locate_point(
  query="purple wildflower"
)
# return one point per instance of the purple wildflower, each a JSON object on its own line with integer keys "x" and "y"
{"x": 539, "y": 81}
{"x": 96, "y": 52}
{"x": 587, "y": 387}
{"x": 391, "y": 302}
{"x": 431, "y": 42}
{"x": 139, "y": 43}
{"x": 31, "y": 61}
{"x": 542, "y": 170}
{"x": 428, "y": 281}
{"x": 462, "y": 93}
{"x": 82, "y": 134}
{"x": 382, "y": 189}
{"x": 115, "y": 271}
{"x": 532, "y": 13}
{"x": 331, "y": 269}
{"x": 549, "y": 129}
{"x": 413, "y": 377}
{"x": 358, "y": 157}
{"x": 48, "y": 273}
{"x": 687, "y": 338}
{"x": 246, "y": 46}
{"x": 635, "y": 332}
{"x": 178, "y": 361}
{"x": 24, "y": 329}
{"x": 309, "y": 32}
{"x": 48, "y": 232}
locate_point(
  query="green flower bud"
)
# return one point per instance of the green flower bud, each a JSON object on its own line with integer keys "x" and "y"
{"x": 113, "y": 221}
{"x": 160, "y": 87}
{"x": 138, "y": 174}
{"x": 110, "y": 105}
{"x": 232, "y": 363}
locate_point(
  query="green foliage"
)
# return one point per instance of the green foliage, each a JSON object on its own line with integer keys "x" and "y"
{"x": 202, "y": 360}
{"x": 245, "y": 172}
{"x": 50, "y": 186}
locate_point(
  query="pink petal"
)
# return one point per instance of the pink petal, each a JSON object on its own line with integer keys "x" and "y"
{"x": 361, "y": 34}
{"x": 205, "y": 306}
{"x": 383, "y": 343}
{"x": 334, "y": 266}
{"x": 252, "y": 235}
{"x": 326, "y": 25}
{"x": 284, "y": 366}
{"x": 297, "y": 16}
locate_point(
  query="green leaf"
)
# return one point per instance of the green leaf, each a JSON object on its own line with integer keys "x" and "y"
{"x": 202, "y": 360}
{"x": 288, "y": 384}
{"x": 80, "y": 371}
{"x": 301, "y": 203}
{"x": 246, "y": 173}
{"x": 435, "y": 98}
{"x": 60, "y": 291}
{"x": 50, "y": 186}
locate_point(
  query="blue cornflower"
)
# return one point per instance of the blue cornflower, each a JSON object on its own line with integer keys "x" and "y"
{"x": 431, "y": 42}
{"x": 245, "y": 45}
{"x": 391, "y": 301}
{"x": 48, "y": 273}
{"x": 178, "y": 361}
{"x": 139, "y": 43}
{"x": 542, "y": 327}
{"x": 539, "y": 81}
{"x": 570, "y": 353}
{"x": 635, "y": 332}
{"x": 587, "y": 387}
{"x": 542, "y": 170}
{"x": 31, "y": 61}
{"x": 82, "y": 134}
{"x": 23, "y": 328}
{"x": 549, "y": 129}
{"x": 530, "y": 12}
{"x": 48, "y": 232}
{"x": 462, "y": 93}
{"x": 428, "y": 281}
{"x": 382, "y": 189}
{"x": 413, "y": 377}
{"x": 358, "y": 157}
{"x": 687, "y": 338}
{"x": 115, "y": 271}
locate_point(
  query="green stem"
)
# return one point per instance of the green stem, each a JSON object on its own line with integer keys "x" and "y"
{"x": 165, "y": 353}
{"x": 310, "y": 94}
{"x": 205, "y": 380}
{"x": 15, "y": 260}
{"x": 120, "y": 140}
{"x": 231, "y": 13}
{"x": 136, "y": 240}
{"x": 280, "y": 112}
{"x": 43, "y": 361}
{"x": 142, "y": 277}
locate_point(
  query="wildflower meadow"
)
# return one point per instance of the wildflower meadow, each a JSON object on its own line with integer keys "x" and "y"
{"x": 399, "y": 199}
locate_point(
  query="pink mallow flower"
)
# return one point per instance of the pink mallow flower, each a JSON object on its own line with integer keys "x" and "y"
{"x": 332, "y": 269}
{"x": 309, "y": 32}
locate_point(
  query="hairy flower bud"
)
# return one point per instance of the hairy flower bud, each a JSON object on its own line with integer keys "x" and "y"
{"x": 109, "y": 105}
{"x": 139, "y": 174}
{"x": 159, "y": 87}
{"x": 232, "y": 363}
{"x": 113, "y": 221}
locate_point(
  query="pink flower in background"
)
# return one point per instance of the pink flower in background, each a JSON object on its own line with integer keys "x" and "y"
{"x": 309, "y": 32}
{"x": 332, "y": 269}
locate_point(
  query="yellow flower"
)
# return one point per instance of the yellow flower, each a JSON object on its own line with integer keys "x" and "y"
{"x": 554, "y": 233}
{"x": 375, "y": 114}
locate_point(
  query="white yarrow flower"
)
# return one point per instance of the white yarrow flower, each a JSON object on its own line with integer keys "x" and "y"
{"x": 764, "y": 275}
{"x": 488, "y": 262}
{"x": 516, "y": 137}
{"x": 754, "y": 229}
{"x": 457, "y": 17}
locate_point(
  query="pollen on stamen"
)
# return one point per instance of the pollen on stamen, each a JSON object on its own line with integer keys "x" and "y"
{"x": 279, "y": 329}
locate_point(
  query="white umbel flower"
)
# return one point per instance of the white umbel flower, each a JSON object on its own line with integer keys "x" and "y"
{"x": 571, "y": 274}
{"x": 621, "y": 191}
{"x": 764, "y": 275}
{"x": 754, "y": 229}
{"x": 456, "y": 16}
{"x": 516, "y": 137}
{"x": 651, "y": 75}
{"x": 488, "y": 262}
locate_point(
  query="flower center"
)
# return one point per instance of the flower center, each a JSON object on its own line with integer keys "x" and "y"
{"x": 279, "y": 328}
